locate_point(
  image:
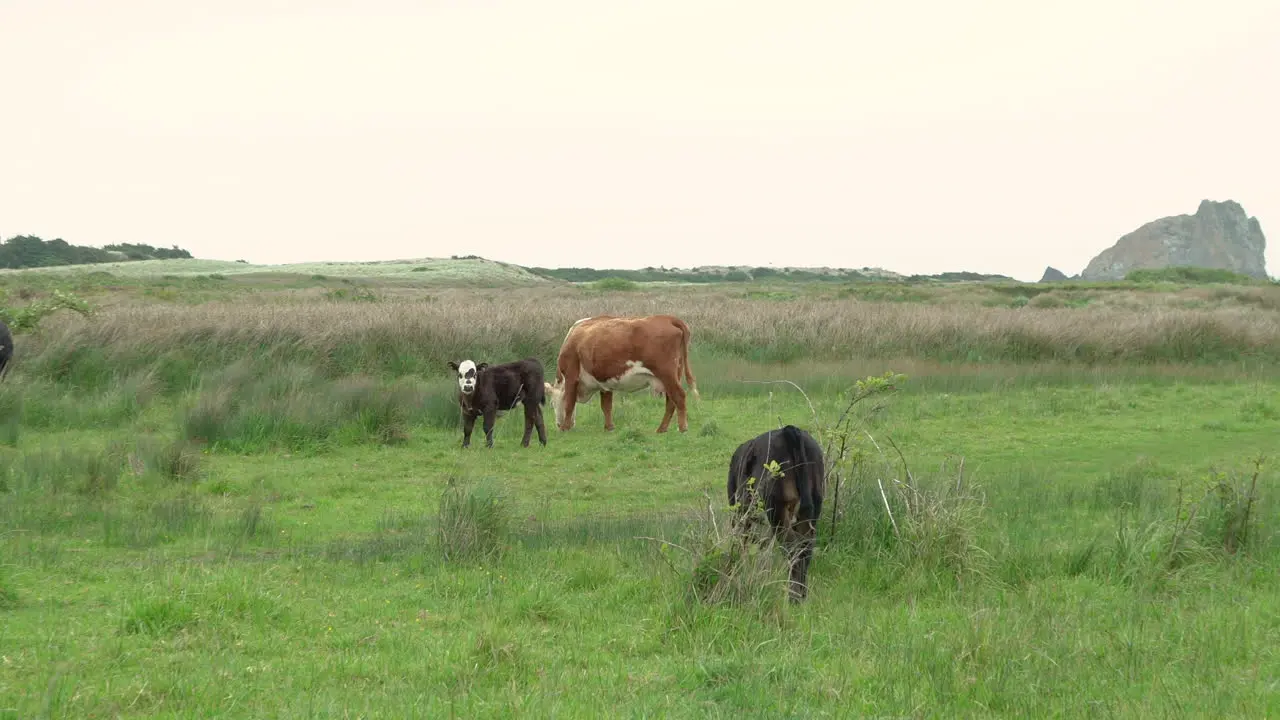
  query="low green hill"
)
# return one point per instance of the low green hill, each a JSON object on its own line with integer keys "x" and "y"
{"x": 471, "y": 271}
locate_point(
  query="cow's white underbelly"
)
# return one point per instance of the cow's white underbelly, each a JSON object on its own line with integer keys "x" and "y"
{"x": 636, "y": 377}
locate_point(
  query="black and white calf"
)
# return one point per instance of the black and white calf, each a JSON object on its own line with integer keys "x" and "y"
{"x": 491, "y": 390}
{"x": 792, "y": 500}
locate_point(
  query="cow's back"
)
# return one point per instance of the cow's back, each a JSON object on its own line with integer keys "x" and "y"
{"x": 604, "y": 345}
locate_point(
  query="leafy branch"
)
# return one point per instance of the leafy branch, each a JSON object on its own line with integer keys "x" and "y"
{"x": 29, "y": 317}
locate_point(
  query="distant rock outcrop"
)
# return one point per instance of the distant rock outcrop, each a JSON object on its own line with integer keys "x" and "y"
{"x": 1220, "y": 235}
{"x": 1052, "y": 274}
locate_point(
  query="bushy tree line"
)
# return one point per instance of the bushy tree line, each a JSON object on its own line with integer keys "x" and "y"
{"x": 29, "y": 251}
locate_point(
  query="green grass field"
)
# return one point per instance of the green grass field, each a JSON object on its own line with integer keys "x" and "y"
{"x": 250, "y": 501}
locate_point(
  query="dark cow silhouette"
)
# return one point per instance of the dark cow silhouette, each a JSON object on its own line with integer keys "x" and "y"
{"x": 6, "y": 349}
{"x": 792, "y": 500}
{"x": 491, "y": 390}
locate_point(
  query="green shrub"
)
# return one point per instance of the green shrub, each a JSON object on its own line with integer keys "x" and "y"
{"x": 1189, "y": 275}
{"x": 615, "y": 283}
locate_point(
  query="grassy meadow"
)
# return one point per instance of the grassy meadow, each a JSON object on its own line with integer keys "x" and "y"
{"x": 242, "y": 494}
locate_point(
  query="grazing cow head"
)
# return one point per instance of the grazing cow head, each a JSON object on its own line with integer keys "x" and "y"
{"x": 555, "y": 395}
{"x": 468, "y": 372}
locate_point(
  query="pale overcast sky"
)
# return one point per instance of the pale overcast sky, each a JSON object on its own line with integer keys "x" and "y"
{"x": 995, "y": 136}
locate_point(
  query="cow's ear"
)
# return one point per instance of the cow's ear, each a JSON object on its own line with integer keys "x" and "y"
{"x": 453, "y": 365}
{"x": 481, "y": 366}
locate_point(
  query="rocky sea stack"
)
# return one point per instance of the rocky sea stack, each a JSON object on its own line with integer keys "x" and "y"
{"x": 1053, "y": 274}
{"x": 1219, "y": 235}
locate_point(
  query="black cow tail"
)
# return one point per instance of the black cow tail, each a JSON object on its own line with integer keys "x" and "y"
{"x": 796, "y": 449}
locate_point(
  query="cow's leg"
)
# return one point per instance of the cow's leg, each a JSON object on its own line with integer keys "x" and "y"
{"x": 530, "y": 413}
{"x": 682, "y": 417}
{"x": 490, "y": 416}
{"x": 542, "y": 428}
{"x": 606, "y": 405}
{"x": 468, "y": 424}
{"x": 666, "y": 415}
{"x": 804, "y": 537}
{"x": 675, "y": 402}
{"x": 570, "y": 400}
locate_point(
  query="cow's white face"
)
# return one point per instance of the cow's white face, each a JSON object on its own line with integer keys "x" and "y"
{"x": 467, "y": 371}
{"x": 555, "y": 396}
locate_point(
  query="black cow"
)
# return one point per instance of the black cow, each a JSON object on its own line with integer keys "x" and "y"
{"x": 492, "y": 390}
{"x": 6, "y": 349}
{"x": 792, "y": 501}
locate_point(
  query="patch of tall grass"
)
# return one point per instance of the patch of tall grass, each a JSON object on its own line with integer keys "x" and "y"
{"x": 926, "y": 530}
{"x": 88, "y": 470}
{"x": 413, "y": 337}
{"x": 92, "y": 490}
{"x": 474, "y": 522}
{"x": 719, "y": 566}
{"x": 251, "y": 407}
{"x": 40, "y": 404}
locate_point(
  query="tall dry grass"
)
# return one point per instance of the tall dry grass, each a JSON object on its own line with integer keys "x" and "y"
{"x": 407, "y": 336}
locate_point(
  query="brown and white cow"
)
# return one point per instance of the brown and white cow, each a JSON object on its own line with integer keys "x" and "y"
{"x": 608, "y": 354}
